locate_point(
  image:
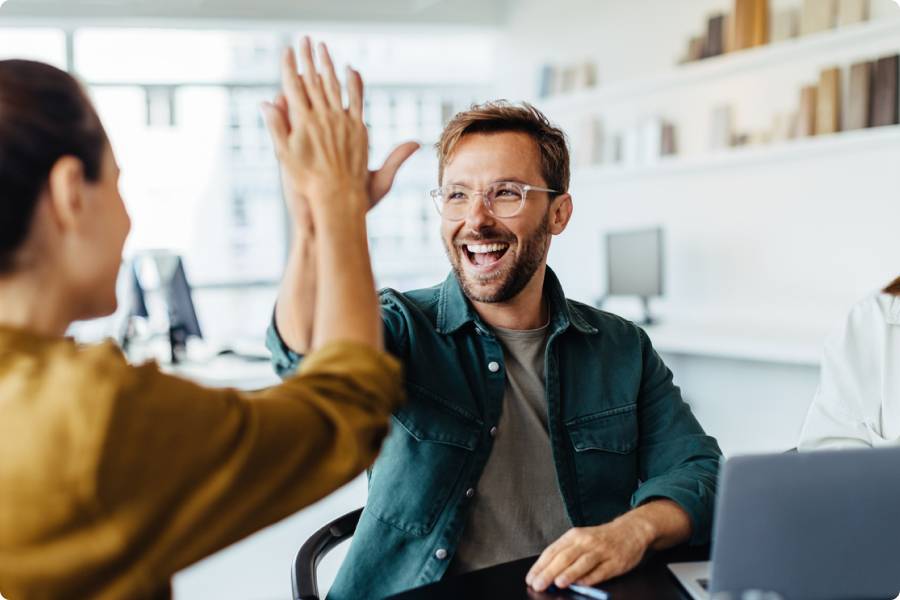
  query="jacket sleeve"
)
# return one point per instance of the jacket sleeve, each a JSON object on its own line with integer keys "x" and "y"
{"x": 845, "y": 408}
{"x": 677, "y": 460}
{"x": 285, "y": 361}
{"x": 188, "y": 470}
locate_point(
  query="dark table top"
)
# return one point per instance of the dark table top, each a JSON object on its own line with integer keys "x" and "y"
{"x": 651, "y": 580}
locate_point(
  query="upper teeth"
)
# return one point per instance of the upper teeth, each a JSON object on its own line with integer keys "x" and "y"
{"x": 485, "y": 248}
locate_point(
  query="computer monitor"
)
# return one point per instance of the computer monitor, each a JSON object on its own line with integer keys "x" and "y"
{"x": 133, "y": 304}
{"x": 176, "y": 290}
{"x": 634, "y": 265}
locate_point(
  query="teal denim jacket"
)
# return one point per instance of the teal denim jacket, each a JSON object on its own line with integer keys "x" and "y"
{"x": 620, "y": 433}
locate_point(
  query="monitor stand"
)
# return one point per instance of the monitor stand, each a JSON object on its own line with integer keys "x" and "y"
{"x": 648, "y": 317}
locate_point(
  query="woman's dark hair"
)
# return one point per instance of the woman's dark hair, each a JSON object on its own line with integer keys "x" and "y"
{"x": 44, "y": 116}
{"x": 894, "y": 288}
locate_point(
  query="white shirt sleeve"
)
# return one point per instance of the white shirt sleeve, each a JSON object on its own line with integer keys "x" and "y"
{"x": 846, "y": 410}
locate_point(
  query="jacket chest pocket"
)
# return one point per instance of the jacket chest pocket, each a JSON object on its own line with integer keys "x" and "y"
{"x": 605, "y": 456}
{"x": 420, "y": 463}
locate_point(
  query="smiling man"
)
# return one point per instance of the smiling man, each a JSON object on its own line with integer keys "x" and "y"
{"x": 535, "y": 424}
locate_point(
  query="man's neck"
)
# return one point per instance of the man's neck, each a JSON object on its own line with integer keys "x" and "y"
{"x": 527, "y": 310}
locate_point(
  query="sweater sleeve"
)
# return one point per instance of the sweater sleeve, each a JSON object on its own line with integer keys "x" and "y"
{"x": 187, "y": 470}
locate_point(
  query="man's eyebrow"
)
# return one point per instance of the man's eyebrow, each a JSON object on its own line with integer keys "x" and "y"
{"x": 497, "y": 180}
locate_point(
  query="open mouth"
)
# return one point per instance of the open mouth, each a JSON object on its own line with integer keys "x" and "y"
{"x": 485, "y": 256}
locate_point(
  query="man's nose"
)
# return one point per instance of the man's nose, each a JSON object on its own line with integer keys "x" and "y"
{"x": 478, "y": 215}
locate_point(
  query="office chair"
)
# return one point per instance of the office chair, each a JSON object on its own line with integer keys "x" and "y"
{"x": 303, "y": 574}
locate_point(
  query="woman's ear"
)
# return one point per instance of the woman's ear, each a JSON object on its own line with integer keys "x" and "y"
{"x": 65, "y": 188}
{"x": 560, "y": 213}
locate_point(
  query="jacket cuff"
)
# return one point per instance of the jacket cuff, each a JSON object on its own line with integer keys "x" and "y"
{"x": 692, "y": 496}
{"x": 284, "y": 360}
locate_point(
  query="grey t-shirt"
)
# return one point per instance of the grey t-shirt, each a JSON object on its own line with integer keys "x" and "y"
{"x": 517, "y": 508}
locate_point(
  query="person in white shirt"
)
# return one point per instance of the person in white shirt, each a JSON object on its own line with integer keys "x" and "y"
{"x": 857, "y": 404}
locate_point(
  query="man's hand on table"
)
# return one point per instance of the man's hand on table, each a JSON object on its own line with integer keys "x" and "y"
{"x": 590, "y": 555}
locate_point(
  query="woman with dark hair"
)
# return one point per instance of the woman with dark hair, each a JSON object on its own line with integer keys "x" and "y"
{"x": 858, "y": 400}
{"x": 114, "y": 477}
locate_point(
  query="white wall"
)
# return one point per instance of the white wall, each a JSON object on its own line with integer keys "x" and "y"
{"x": 782, "y": 241}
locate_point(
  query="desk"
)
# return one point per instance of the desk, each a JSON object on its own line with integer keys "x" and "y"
{"x": 649, "y": 581}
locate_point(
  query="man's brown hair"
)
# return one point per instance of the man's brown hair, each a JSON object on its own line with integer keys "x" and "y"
{"x": 894, "y": 288}
{"x": 502, "y": 116}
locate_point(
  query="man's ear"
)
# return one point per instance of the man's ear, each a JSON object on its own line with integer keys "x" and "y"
{"x": 560, "y": 213}
{"x": 65, "y": 188}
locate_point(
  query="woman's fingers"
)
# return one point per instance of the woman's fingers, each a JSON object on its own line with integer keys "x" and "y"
{"x": 355, "y": 92}
{"x": 295, "y": 95}
{"x": 332, "y": 85}
{"x": 311, "y": 78}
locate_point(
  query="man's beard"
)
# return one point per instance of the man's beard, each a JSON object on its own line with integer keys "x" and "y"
{"x": 529, "y": 257}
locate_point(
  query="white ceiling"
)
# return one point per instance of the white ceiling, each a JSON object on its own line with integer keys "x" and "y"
{"x": 449, "y": 12}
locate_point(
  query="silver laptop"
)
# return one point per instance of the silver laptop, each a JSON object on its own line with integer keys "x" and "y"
{"x": 823, "y": 525}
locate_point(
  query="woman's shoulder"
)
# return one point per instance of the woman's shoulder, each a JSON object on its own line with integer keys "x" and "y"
{"x": 878, "y": 309}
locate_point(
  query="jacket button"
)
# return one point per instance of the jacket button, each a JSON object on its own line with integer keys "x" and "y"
{"x": 470, "y": 492}
{"x": 493, "y": 366}
{"x": 493, "y": 432}
{"x": 441, "y": 554}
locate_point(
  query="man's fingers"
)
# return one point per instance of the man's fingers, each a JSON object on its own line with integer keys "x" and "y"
{"x": 278, "y": 126}
{"x": 355, "y": 92}
{"x": 294, "y": 94}
{"x": 332, "y": 85}
{"x": 563, "y": 559}
{"x": 599, "y": 574}
{"x": 584, "y": 565}
{"x": 310, "y": 76}
{"x": 383, "y": 178}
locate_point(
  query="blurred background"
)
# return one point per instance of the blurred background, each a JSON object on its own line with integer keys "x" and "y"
{"x": 735, "y": 174}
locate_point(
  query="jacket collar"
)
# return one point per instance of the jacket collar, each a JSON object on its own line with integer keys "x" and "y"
{"x": 455, "y": 310}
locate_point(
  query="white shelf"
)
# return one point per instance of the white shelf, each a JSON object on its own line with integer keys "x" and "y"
{"x": 797, "y": 149}
{"x": 741, "y": 341}
{"x": 726, "y": 65}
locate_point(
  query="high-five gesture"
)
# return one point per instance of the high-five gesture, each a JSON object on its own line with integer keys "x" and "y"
{"x": 321, "y": 145}
{"x": 323, "y": 149}
{"x": 328, "y": 292}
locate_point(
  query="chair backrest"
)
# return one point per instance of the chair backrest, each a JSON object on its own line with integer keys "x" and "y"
{"x": 303, "y": 574}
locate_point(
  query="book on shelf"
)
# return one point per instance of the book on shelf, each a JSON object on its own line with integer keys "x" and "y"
{"x": 884, "y": 91}
{"x": 751, "y": 23}
{"x": 818, "y": 15}
{"x": 715, "y": 36}
{"x": 669, "y": 141}
{"x": 785, "y": 25}
{"x": 806, "y": 118}
{"x": 729, "y": 33}
{"x": 828, "y": 102}
{"x": 852, "y": 11}
{"x": 859, "y": 97}
{"x": 696, "y": 48}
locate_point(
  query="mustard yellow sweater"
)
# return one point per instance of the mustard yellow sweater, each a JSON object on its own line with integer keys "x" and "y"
{"x": 114, "y": 477}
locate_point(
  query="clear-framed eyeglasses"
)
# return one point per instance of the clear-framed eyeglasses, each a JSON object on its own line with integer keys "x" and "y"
{"x": 502, "y": 199}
